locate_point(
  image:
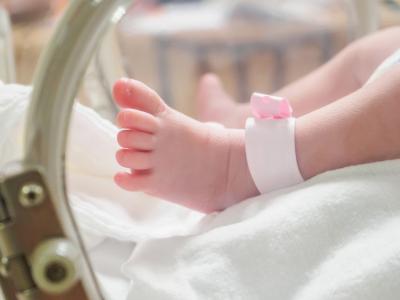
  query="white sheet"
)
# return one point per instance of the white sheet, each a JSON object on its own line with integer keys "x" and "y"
{"x": 336, "y": 236}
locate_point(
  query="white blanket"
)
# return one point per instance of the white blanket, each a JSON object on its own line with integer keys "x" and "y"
{"x": 336, "y": 236}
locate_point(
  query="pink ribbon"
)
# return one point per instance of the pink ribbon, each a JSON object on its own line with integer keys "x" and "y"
{"x": 270, "y": 107}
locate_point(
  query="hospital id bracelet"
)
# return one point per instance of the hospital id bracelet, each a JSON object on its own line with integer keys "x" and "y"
{"x": 270, "y": 144}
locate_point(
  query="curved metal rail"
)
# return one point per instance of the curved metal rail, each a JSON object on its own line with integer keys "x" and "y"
{"x": 55, "y": 87}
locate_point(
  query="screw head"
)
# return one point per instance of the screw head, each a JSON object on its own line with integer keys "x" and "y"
{"x": 56, "y": 272}
{"x": 31, "y": 194}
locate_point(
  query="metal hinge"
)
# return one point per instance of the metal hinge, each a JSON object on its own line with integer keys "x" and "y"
{"x": 37, "y": 261}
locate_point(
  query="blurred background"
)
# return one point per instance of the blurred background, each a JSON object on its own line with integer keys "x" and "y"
{"x": 252, "y": 45}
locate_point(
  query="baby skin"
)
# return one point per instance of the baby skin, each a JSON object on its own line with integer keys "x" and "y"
{"x": 174, "y": 157}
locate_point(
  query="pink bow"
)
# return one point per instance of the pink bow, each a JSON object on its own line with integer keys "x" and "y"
{"x": 270, "y": 107}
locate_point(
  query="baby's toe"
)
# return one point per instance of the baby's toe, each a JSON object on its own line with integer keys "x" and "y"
{"x": 136, "y": 140}
{"x": 134, "y": 159}
{"x": 132, "y": 181}
{"x": 136, "y": 119}
{"x": 131, "y": 93}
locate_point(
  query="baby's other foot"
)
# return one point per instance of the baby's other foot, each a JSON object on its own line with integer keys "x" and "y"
{"x": 215, "y": 105}
{"x": 176, "y": 158}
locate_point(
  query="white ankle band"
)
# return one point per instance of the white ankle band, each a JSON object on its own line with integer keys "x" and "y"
{"x": 270, "y": 144}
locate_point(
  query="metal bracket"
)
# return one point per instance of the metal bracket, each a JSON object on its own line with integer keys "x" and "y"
{"x": 37, "y": 260}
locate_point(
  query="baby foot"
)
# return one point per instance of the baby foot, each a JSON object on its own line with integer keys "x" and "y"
{"x": 176, "y": 158}
{"x": 215, "y": 105}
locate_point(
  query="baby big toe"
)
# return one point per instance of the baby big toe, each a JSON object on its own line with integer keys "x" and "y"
{"x": 131, "y": 93}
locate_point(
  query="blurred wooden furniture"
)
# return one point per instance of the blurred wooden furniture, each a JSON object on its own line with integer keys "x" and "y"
{"x": 248, "y": 56}
{"x": 241, "y": 43}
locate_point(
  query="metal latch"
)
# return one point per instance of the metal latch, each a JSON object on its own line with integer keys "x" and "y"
{"x": 37, "y": 260}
